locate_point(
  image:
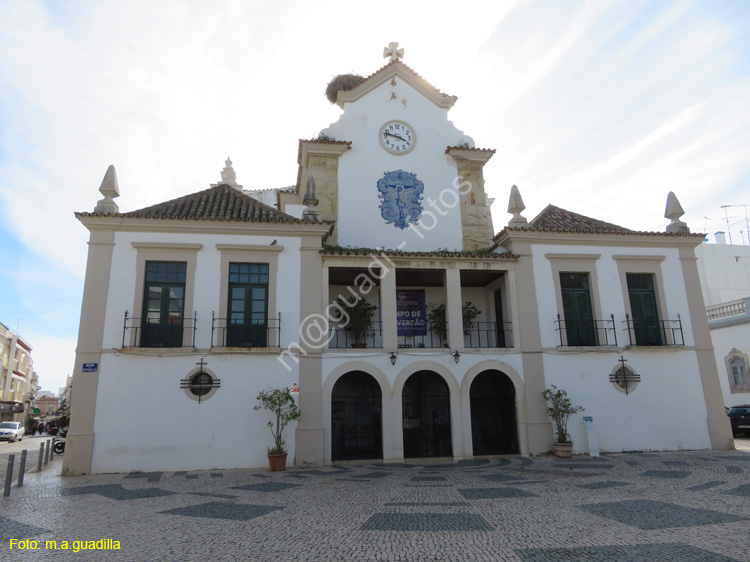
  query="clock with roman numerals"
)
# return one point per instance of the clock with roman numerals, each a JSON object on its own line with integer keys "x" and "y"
{"x": 397, "y": 137}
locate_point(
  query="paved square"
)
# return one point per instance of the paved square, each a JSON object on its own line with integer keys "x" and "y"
{"x": 10, "y": 529}
{"x": 426, "y": 522}
{"x": 495, "y": 493}
{"x": 629, "y": 553}
{"x": 505, "y": 509}
{"x": 649, "y": 514}
{"x": 221, "y": 510}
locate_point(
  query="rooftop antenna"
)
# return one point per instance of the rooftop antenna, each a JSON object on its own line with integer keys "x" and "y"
{"x": 747, "y": 221}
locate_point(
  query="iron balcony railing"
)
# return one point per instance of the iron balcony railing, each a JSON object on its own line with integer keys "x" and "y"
{"x": 489, "y": 334}
{"x": 655, "y": 332}
{"x": 140, "y": 332}
{"x": 340, "y": 337}
{"x": 226, "y": 332}
{"x": 601, "y": 332}
{"x": 413, "y": 339}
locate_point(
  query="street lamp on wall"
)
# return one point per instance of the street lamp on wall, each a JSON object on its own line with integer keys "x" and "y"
{"x": 456, "y": 356}
{"x": 393, "y": 359}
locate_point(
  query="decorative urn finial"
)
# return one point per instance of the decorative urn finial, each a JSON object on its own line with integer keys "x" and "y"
{"x": 674, "y": 212}
{"x": 515, "y": 207}
{"x": 228, "y": 176}
{"x": 110, "y": 190}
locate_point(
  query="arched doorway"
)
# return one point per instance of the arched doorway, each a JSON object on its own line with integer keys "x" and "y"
{"x": 356, "y": 419}
{"x": 426, "y": 416}
{"x": 493, "y": 414}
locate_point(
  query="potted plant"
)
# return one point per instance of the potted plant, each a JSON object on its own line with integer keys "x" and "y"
{"x": 359, "y": 324}
{"x": 439, "y": 323}
{"x": 559, "y": 409}
{"x": 280, "y": 403}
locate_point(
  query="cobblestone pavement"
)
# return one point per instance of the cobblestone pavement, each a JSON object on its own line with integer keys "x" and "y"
{"x": 647, "y": 507}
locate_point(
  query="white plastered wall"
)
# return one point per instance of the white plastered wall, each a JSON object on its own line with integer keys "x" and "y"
{"x": 359, "y": 220}
{"x": 144, "y": 420}
{"x": 725, "y": 339}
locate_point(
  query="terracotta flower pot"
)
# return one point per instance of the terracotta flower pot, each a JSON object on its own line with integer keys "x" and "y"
{"x": 277, "y": 462}
{"x": 359, "y": 345}
{"x": 563, "y": 450}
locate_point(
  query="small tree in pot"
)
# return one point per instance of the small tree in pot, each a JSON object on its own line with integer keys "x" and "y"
{"x": 279, "y": 402}
{"x": 559, "y": 409}
{"x": 358, "y": 318}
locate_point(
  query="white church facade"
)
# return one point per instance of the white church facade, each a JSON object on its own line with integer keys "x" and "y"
{"x": 194, "y": 305}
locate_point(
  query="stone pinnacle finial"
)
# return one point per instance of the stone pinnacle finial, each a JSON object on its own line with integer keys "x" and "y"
{"x": 228, "y": 176}
{"x": 515, "y": 207}
{"x": 110, "y": 190}
{"x": 674, "y": 212}
{"x": 310, "y": 200}
{"x": 393, "y": 51}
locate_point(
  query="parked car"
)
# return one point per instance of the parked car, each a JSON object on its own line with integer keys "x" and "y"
{"x": 739, "y": 416}
{"x": 10, "y": 431}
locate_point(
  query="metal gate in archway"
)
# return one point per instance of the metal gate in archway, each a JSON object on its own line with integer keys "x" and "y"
{"x": 493, "y": 414}
{"x": 426, "y": 416}
{"x": 356, "y": 419}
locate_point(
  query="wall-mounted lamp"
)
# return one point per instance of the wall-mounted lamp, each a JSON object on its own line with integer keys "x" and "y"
{"x": 456, "y": 356}
{"x": 393, "y": 359}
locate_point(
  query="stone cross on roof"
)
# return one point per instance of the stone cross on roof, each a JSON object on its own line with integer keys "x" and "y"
{"x": 393, "y": 51}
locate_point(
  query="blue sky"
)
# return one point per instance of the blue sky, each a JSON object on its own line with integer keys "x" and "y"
{"x": 598, "y": 107}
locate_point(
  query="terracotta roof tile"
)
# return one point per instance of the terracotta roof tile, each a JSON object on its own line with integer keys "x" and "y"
{"x": 347, "y": 251}
{"x": 555, "y": 218}
{"x": 407, "y": 67}
{"x": 220, "y": 203}
{"x": 470, "y": 149}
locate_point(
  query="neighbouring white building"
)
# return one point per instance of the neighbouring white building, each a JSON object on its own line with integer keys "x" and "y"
{"x": 193, "y": 305}
{"x": 725, "y": 277}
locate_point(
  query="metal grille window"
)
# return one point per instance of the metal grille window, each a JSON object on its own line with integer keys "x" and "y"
{"x": 579, "y": 317}
{"x": 738, "y": 373}
{"x": 645, "y": 314}
{"x": 163, "y": 304}
{"x": 247, "y": 325}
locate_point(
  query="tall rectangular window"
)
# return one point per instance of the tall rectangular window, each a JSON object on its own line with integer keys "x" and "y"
{"x": 163, "y": 304}
{"x": 579, "y": 317}
{"x": 247, "y": 325}
{"x": 739, "y": 379}
{"x": 645, "y": 314}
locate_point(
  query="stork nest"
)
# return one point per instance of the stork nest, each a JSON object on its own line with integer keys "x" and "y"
{"x": 342, "y": 82}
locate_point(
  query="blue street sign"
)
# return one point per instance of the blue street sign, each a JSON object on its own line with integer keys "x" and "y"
{"x": 90, "y": 367}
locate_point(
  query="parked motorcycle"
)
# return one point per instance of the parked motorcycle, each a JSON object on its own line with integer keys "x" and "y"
{"x": 59, "y": 447}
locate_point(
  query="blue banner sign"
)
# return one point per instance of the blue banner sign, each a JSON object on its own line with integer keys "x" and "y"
{"x": 90, "y": 367}
{"x": 411, "y": 313}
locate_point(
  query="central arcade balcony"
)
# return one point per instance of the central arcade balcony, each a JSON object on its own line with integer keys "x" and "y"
{"x": 419, "y": 307}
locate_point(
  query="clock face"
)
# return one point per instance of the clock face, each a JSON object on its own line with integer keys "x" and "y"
{"x": 397, "y": 137}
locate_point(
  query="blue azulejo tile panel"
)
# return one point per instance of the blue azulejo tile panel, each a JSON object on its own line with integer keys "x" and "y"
{"x": 604, "y": 485}
{"x": 743, "y": 491}
{"x": 117, "y": 492}
{"x": 149, "y": 476}
{"x": 667, "y": 473}
{"x": 706, "y": 486}
{"x": 426, "y": 522}
{"x": 10, "y": 529}
{"x": 669, "y": 552}
{"x": 266, "y": 487}
{"x": 222, "y": 510}
{"x": 495, "y": 493}
{"x": 650, "y": 515}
